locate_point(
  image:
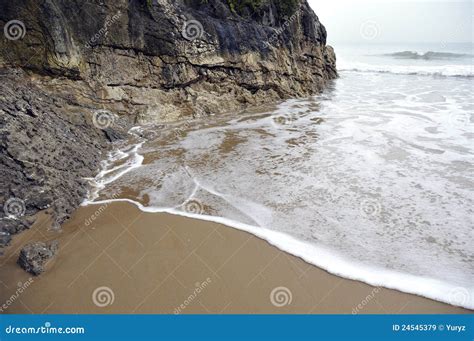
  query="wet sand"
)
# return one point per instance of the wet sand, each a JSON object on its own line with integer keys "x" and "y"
{"x": 128, "y": 261}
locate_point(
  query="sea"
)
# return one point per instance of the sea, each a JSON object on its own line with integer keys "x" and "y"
{"x": 371, "y": 180}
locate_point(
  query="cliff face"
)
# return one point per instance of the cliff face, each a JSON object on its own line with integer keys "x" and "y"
{"x": 48, "y": 145}
{"x": 167, "y": 59}
{"x": 64, "y": 61}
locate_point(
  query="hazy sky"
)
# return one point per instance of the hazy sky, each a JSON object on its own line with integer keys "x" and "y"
{"x": 391, "y": 21}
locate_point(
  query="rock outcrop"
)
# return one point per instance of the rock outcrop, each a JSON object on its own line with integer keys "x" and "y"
{"x": 168, "y": 59}
{"x": 48, "y": 145}
{"x": 143, "y": 60}
{"x": 34, "y": 256}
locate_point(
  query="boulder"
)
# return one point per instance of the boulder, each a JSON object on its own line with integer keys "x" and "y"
{"x": 34, "y": 256}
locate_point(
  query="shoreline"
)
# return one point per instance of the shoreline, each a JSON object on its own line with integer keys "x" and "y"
{"x": 158, "y": 263}
{"x": 321, "y": 257}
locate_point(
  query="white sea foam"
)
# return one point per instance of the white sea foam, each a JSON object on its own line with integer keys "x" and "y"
{"x": 333, "y": 262}
{"x": 424, "y": 70}
{"x": 109, "y": 172}
{"x": 446, "y": 60}
{"x": 372, "y": 180}
{"x": 427, "y": 56}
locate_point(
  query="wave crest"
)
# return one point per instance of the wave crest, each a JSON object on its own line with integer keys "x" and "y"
{"x": 465, "y": 71}
{"x": 430, "y": 55}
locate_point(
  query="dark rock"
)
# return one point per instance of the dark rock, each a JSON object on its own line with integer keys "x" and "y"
{"x": 42, "y": 163}
{"x": 5, "y": 239}
{"x": 114, "y": 135}
{"x": 162, "y": 59}
{"x": 14, "y": 226}
{"x": 34, "y": 256}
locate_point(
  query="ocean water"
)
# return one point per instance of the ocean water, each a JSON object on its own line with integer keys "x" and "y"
{"x": 448, "y": 59}
{"x": 371, "y": 180}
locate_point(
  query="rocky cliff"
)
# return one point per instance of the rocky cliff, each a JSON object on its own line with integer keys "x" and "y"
{"x": 165, "y": 59}
{"x": 62, "y": 61}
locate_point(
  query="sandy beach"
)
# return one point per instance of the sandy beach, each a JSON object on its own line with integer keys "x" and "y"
{"x": 127, "y": 261}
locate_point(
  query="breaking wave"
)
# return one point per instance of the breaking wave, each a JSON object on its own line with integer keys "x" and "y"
{"x": 465, "y": 71}
{"x": 430, "y": 55}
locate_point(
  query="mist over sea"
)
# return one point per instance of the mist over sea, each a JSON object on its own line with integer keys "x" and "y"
{"x": 371, "y": 180}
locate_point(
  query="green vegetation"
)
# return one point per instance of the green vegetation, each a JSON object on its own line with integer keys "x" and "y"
{"x": 237, "y": 6}
{"x": 287, "y": 7}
